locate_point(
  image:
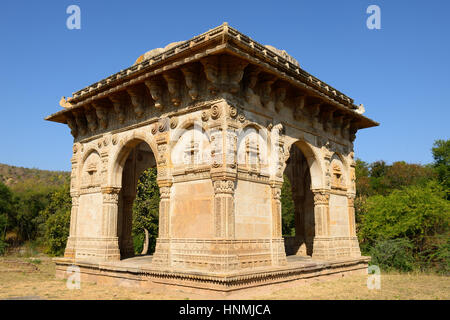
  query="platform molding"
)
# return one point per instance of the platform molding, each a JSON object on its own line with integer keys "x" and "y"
{"x": 139, "y": 272}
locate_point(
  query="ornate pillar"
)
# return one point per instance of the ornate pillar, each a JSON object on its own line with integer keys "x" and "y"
{"x": 71, "y": 241}
{"x": 353, "y": 241}
{"x": 276, "y": 210}
{"x": 161, "y": 257}
{"x": 109, "y": 243}
{"x": 224, "y": 208}
{"x": 323, "y": 247}
{"x": 278, "y": 250}
{"x": 126, "y": 241}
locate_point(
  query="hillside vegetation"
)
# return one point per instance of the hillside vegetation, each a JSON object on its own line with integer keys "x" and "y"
{"x": 20, "y": 179}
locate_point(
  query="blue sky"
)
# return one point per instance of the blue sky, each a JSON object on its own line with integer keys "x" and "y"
{"x": 400, "y": 73}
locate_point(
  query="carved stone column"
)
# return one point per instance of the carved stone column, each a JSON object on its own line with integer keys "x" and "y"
{"x": 224, "y": 208}
{"x": 278, "y": 250}
{"x": 71, "y": 241}
{"x": 109, "y": 243}
{"x": 323, "y": 244}
{"x": 126, "y": 241}
{"x": 276, "y": 210}
{"x": 353, "y": 241}
{"x": 161, "y": 257}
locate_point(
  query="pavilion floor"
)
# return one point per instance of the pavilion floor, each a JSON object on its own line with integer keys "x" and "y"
{"x": 139, "y": 271}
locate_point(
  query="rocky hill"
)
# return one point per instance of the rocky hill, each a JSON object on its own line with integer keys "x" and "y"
{"x": 19, "y": 178}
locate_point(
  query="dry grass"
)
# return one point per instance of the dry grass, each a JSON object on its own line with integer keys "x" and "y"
{"x": 22, "y": 281}
{"x": 354, "y": 287}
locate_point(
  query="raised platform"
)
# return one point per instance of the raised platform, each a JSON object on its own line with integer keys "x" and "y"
{"x": 139, "y": 271}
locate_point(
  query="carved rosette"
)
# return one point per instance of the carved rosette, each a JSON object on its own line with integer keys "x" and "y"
{"x": 173, "y": 123}
{"x": 216, "y": 112}
{"x": 205, "y": 116}
{"x": 232, "y": 112}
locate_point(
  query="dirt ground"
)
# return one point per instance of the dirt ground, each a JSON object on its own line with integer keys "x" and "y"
{"x": 34, "y": 278}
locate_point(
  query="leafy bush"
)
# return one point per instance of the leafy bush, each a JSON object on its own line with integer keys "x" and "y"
{"x": 441, "y": 165}
{"x": 393, "y": 254}
{"x": 56, "y": 220}
{"x": 3, "y": 246}
{"x": 436, "y": 254}
{"x": 413, "y": 212}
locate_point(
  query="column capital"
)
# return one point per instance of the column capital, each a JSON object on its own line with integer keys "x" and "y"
{"x": 223, "y": 186}
{"x": 321, "y": 196}
{"x": 110, "y": 190}
{"x": 110, "y": 194}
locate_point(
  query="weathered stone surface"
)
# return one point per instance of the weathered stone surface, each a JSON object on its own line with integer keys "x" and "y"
{"x": 222, "y": 119}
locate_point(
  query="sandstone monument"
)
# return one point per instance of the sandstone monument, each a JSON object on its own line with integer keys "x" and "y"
{"x": 223, "y": 119}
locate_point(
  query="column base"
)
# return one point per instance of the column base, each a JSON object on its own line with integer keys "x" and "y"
{"x": 99, "y": 249}
{"x": 331, "y": 248}
{"x": 218, "y": 255}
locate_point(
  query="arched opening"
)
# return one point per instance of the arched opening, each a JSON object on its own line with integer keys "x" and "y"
{"x": 138, "y": 199}
{"x": 298, "y": 205}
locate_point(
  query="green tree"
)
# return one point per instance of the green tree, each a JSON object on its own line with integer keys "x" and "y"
{"x": 5, "y": 214}
{"x": 146, "y": 211}
{"x": 441, "y": 155}
{"x": 27, "y": 206}
{"x": 414, "y": 212}
{"x": 55, "y": 220}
